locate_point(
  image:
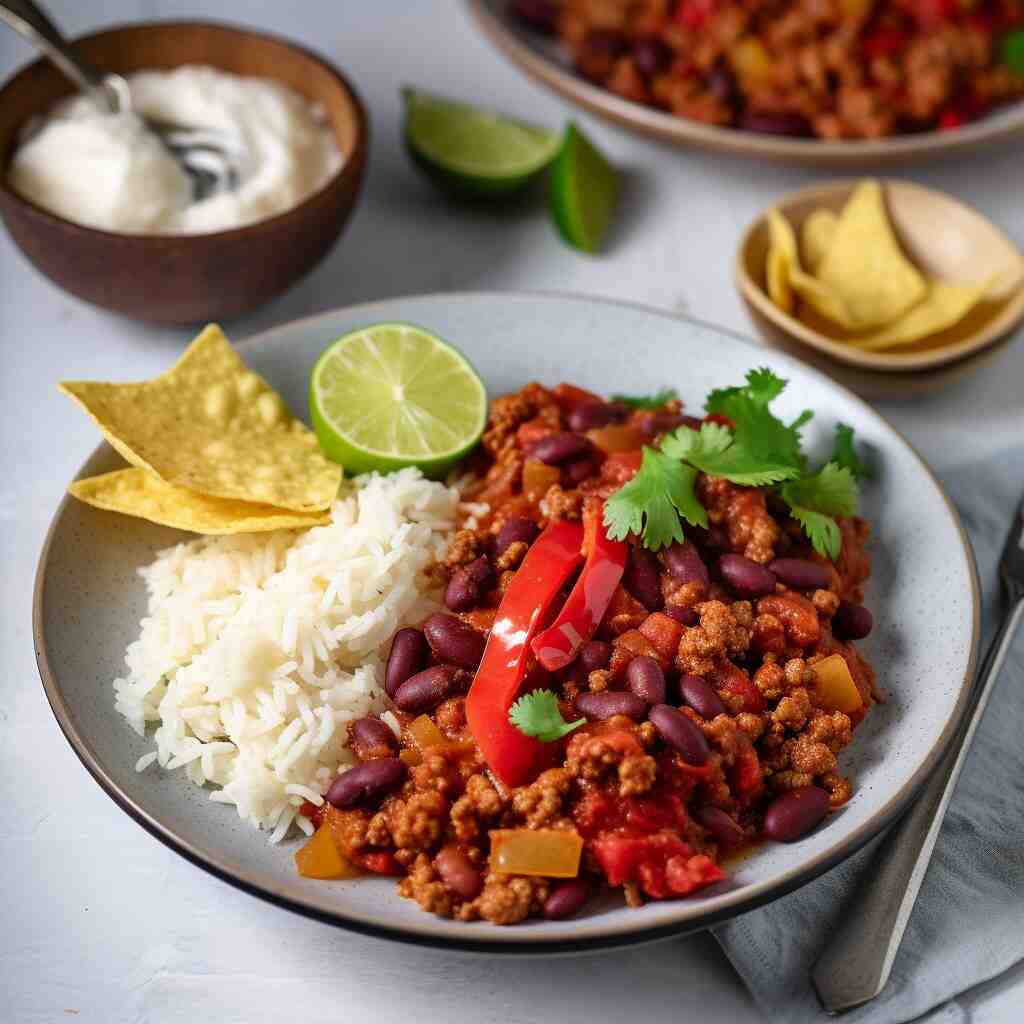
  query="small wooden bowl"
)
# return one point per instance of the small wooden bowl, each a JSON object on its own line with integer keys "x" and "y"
{"x": 187, "y": 278}
{"x": 944, "y": 237}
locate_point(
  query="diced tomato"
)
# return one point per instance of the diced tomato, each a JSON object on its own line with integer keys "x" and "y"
{"x": 532, "y": 431}
{"x": 601, "y": 811}
{"x": 694, "y": 13}
{"x": 746, "y": 777}
{"x": 314, "y": 813}
{"x": 380, "y": 862}
{"x": 664, "y": 633}
{"x": 930, "y": 13}
{"x": 568, "y": 396}
{"x": 621, "y": 467}
{"x": 662, "y": 864}
{"x": 884, "y": 41}
{"x": 731, "y": 681}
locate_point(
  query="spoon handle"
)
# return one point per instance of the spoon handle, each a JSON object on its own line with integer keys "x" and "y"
{"x": 29, "y": 20}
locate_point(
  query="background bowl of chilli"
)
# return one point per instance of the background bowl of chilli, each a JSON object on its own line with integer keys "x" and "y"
{"x": 943, "y": 237}
{"x": 768, "y": 137}
{"x": 187, "y": 278}
{"x": 924, "y": 594}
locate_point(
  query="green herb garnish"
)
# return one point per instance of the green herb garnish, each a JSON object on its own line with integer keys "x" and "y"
{"x": 845, "y": 455}
{"x": 761, "y": 450}
{"x": 648, "y": 401}
{"x": 537, "y": 714}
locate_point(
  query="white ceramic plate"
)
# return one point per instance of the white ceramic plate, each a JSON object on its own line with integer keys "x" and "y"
{"x": 89, "y": 600}
{"x": 543, "y": 60}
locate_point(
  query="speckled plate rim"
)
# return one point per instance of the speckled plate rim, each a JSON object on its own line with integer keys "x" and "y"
{"x": 507, "y": 942}
{"x": 1001, "y": 125}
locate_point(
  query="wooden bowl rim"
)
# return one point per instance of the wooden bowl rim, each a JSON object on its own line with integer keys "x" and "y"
{"x": 352, "y": 160}
{"x": 1007, "y": 123}
{"x": 1008, "y": 317}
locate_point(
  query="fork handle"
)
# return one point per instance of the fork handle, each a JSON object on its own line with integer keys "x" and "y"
{"x": 30, "y": 21}
{"x": 856, "y": 963}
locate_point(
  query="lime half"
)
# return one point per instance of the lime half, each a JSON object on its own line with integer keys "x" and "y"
{"x": 393, "y": 395}
{"x": 473, "y": 151}
{"x": 584, "y": 190}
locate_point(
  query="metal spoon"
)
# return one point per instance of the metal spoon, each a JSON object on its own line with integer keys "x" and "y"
{"x": 210, "y": 164}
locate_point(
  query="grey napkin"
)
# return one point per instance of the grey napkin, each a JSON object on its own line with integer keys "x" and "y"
{"x": 968, "y": 924}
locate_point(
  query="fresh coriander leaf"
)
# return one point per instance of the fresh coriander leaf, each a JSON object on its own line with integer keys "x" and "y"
{"x": 712, "y": 450}
{"x": 833, "y": 491}
{"x": 537, "y": 714}
{"x": 822, "y": 530}
{"x": 652, "y": 502}
{"x": 759, "y": 433}
{"x": 814, "y": 500}
{"x": 844, "y": 454}
{"x": 655, "y": 401}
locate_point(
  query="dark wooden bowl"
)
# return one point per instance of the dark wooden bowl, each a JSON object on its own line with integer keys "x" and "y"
{"x": 187, "y": 278}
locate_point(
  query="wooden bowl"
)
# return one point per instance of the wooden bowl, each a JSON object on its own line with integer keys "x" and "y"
{"x": 187, "y": 278}
{"x": 541, "y": 57}
{"x": 944, "y": 237}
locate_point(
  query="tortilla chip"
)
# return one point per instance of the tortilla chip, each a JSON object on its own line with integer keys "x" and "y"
{"x": 781, "y": 261}
{"x": 822, "y": 299}
{"x": 943, "y": 306}
{"x": 816, "y": 236}
{"x": 134, "y": 492}
{"x": 213, "y": 426}
{"x": 865, "y": 266}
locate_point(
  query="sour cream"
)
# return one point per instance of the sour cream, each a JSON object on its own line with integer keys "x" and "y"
{"x": 107, "y": 171}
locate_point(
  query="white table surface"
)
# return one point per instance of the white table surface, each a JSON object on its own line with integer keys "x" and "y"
{"x": 101, "y": 923}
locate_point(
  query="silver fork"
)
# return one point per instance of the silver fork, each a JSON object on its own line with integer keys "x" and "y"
{"x": 209, "y": 161}
{"x": 856, "y": 963}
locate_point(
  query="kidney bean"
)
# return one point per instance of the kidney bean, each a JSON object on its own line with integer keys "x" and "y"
{"x": 457, "y": 872}
{"x": 468, "y": 584}
{"x": 680, "y": 733}
{"x": 745, "y": 576}
{"x": 370, "y": 736}
{"x": 642, "y": 580}
{"x": 651, "y": 423}
{"x": 425, "y": 690}
{"x": 651, "y": 55}
{"x": 793, "y": 814}
{"x": 774, "y": 124}
{"x": 609, "y": 703}
{"x": 701, "y": 697}
{"x": 558, "y": 448}
{"x": 575, "y": 472}
{"x": 646, "y": 679}
{"x": 721, "y": 83}
{"x": 453, "y": 640}
{"x": 722, "y": 826}
{"x": 852, "y": 621}
{"x": 408, "y": 656}
{"x": 366, "y": 782}
{"x": 595, "y": 654}
{"x": 567, "y": 898}
{"x": 591, "y": 415}
{"x": 801, "y": 573}
{"x": 685, "y": 564}
{"x": 605, "y": 42}
{"x": 515, "y": 530}
{"x": 687, "y": 616}
{"x": 539, "y": 14}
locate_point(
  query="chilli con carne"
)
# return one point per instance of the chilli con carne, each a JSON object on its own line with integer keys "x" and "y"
{"x": 706, "y": 687}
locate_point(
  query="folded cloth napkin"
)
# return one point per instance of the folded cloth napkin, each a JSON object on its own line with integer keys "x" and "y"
{"x": 968, "y": 923}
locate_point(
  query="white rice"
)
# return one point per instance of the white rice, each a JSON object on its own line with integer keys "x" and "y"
{"x": 258, "y": 648}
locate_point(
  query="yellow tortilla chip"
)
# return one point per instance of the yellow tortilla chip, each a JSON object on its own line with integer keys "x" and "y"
{"x": 943, "y": 306}
{"x": 816, "y": 236}
{"x": 822, "y": 299}
{"x": 865, "y": 266}
{"x": 781, "y": 261}
{"x": 213, "y": 426}
{"x": 135, "y": 492}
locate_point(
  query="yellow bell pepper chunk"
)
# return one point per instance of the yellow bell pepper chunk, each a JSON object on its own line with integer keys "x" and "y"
{"x": 834, "y": 688}
{"x": 549, "y": 852}
{"x": 321, "y": 858}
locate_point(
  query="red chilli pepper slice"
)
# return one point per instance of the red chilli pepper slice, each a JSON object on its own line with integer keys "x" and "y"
{"x": 583, "y": 611}
{"x": 513, "y": 756}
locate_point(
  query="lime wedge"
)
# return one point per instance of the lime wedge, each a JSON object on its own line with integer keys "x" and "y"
{"x": 473, "y": 151}
{"x": 584, "y": 189}
{"x": 393, "y": 395}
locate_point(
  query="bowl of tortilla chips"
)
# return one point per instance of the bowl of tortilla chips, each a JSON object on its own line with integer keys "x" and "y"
{"x": 881, "y": 276}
